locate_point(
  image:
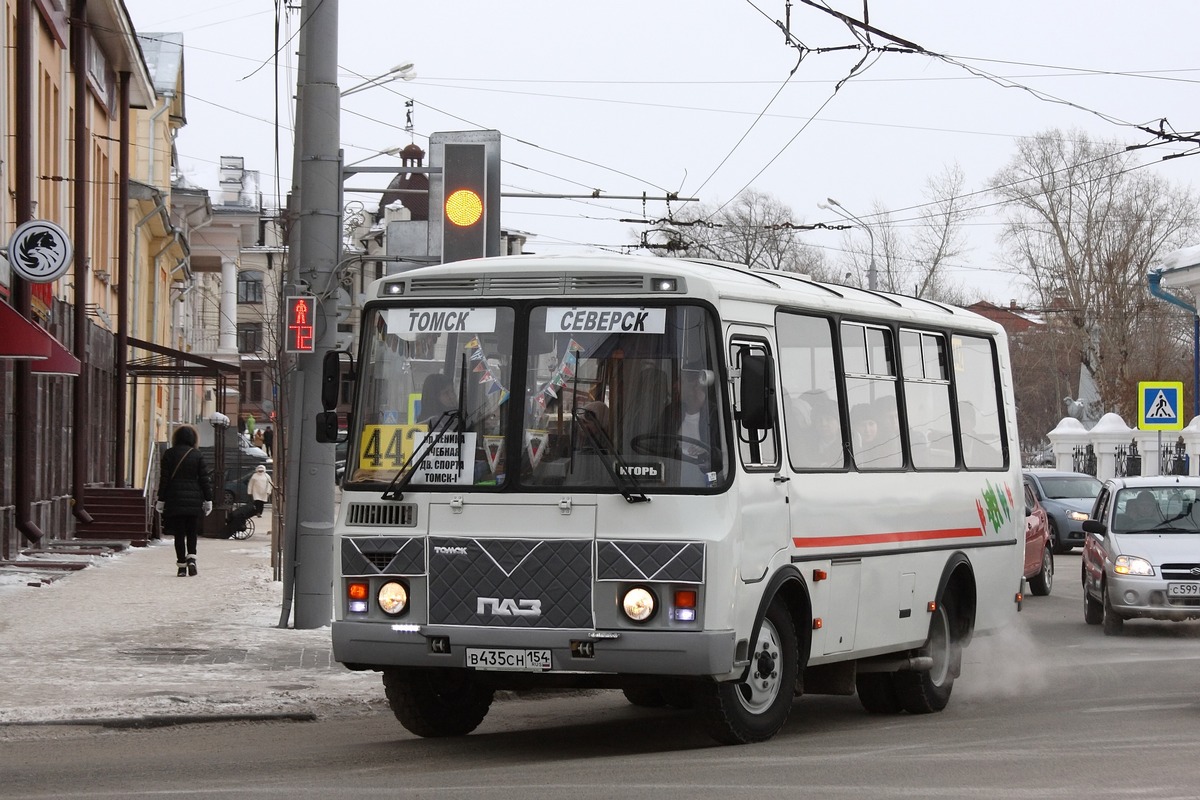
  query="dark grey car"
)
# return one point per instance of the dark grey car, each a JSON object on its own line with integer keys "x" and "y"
{"x": 1067, "y": 498}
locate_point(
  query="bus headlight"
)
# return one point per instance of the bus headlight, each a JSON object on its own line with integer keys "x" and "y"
{"x": 638, "y": 604}
{"x": 393, "y": 598}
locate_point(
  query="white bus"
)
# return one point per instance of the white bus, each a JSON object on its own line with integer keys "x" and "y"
{"x": 708, "y": 486}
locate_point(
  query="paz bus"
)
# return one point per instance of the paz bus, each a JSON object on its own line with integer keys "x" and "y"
{"x": 708, "y": 486}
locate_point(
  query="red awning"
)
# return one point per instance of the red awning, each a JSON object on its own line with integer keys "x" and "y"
{"x": 22, "y": 339}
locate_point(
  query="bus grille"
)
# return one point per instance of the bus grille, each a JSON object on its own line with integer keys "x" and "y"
{"x": 399, "y": 515}
{"x": 510, "y": 583}
{"x": 674, "y": 562}
{"x": 383, "y": 555}
{"x": 515, "y": 284}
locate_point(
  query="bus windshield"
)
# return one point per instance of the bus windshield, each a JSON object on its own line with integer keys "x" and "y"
{"x": 617, "y": 398}
{"x": 622, "y": 393}
{"x": 432, "y": 368}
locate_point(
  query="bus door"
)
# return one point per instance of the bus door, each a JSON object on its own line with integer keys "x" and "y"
{"x": 761, "y": 484}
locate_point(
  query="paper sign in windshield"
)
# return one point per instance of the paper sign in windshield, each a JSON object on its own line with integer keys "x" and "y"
{"x": 442, "y": 465}
{"x": 606, "y": 320}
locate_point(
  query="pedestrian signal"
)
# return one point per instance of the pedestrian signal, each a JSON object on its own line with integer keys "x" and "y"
{"x": 300, "y": 324}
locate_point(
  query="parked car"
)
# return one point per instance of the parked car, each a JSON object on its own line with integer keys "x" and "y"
{"x": 1039, "y": 557}
{"x": 1141, "y": 558}
{"x": 250, "y": 449}
{"x": 1067, "y": 498}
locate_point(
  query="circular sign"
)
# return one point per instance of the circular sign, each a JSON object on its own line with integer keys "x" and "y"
{"x": 39, "y": 251}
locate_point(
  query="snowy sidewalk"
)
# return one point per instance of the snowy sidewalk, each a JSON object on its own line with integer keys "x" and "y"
{"x": 126, "y": 642}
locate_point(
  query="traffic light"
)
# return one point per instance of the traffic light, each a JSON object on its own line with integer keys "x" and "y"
{"x": 470, "y": 193}
{"x": 464, "y": 215}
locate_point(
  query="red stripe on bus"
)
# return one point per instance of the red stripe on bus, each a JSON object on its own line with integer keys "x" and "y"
{"x": 881, "y": 538}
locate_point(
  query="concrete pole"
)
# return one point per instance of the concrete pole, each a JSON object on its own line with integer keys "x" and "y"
{"x": 309, "y": 463}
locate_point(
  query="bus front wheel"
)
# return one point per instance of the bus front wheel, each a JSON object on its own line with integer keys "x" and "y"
{"x": 756, "y": 707}
{"x": 437, "y": 702}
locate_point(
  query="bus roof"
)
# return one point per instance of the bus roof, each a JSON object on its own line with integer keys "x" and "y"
{"x": 609, "y": 274}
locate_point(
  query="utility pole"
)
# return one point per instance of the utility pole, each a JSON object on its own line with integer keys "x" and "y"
{"x": 309, "y": 504}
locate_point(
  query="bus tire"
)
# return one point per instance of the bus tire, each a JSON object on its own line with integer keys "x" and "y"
{"x": 877, "y": 692}
{"x": 644, "y": 696}
{"x": 926, "y": 691}
{"x": 437, "y": 702}
{"x": 756, "y": 707}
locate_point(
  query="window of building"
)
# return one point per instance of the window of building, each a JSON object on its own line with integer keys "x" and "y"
{"x": 249, "y": 337}
{"x": 250, "y": 286}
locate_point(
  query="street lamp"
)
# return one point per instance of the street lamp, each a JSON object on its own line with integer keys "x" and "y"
{"x": 398, "y": 72}
{"x": 844, "y": 213}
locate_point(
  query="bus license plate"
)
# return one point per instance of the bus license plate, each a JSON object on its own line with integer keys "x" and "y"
{"x": 1183, "y": 589}
{"x": 520, "y": 660}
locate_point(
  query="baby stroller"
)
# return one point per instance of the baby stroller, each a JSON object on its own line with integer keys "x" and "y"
{"x": 239, "y": 522}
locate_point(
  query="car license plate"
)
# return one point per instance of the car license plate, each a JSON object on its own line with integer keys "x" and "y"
{"x": 1183, "y": 589}
{"x": 520, "y": 660}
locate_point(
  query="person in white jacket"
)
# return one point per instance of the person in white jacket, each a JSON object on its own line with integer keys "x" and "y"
{"x": 260, "y": 487}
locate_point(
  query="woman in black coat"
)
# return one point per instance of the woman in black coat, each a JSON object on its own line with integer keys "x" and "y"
{"x": 185, "y": 494}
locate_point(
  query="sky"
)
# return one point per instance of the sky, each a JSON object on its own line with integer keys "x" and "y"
{"x": 704, "y": 98}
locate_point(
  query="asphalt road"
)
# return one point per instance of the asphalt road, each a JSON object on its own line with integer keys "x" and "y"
{"x": 1051, "y": 709}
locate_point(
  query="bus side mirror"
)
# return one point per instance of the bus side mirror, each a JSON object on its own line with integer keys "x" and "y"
{"x": 331, "y": 377}
{"x": 331, "y": 384}
{"x": 757, "y": 391}
{"x": 327, "y": 427}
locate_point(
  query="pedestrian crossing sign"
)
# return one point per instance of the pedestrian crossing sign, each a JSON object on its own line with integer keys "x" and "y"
{"x": 1160, "y": 405}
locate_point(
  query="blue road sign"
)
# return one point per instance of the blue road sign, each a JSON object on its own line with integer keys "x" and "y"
{"x": 1160, "y": 405}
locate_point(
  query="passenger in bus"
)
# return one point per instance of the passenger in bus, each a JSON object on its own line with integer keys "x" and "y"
{"x": 693, "y": 415}
{"x": 437, "y": 397}
{"x": 865, "y": 427}
{"x": 825, "y": 433}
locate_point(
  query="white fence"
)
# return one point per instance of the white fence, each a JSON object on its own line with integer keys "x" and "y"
{"x": 1104, "y": 450}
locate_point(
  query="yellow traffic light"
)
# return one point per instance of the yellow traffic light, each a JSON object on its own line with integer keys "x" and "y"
{"x": 464, "y": 208}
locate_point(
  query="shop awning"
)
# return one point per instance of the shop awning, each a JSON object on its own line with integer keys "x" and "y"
{"x": 23, "y": 339}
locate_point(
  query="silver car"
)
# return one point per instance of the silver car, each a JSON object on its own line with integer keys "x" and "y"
{"x": 1141, "y": 558}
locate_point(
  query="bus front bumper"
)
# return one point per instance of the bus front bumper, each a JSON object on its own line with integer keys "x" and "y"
{"x": 374, "y": 645}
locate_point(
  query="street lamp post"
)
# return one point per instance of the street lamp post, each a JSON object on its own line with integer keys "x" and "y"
{"x": 399, "y": 72}
{"x": 844, "y": 213}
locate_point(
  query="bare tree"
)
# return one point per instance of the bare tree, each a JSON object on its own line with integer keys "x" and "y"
{"x": 754, "y": 229}
{"x": 1085, "y": 228}
{"x": 915, "y": 264}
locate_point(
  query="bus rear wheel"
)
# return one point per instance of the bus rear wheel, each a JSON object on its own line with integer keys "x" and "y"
{"x": 756, "y": 707}
{"x": 926, "y": 691}
{"x": 437, "y": 702}
{"x": 877, "y": 692}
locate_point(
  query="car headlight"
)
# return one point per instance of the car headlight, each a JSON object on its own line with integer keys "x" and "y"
{"x": 1132, "y": 565}
{"x": 638, "y": 604}
{"x": 1078, "y": 516}
{"x": 392, "y": 598}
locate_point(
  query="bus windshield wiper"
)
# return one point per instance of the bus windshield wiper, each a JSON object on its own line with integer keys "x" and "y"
{"x": 438, "y": 430}
{"x": 599, "y": 439}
